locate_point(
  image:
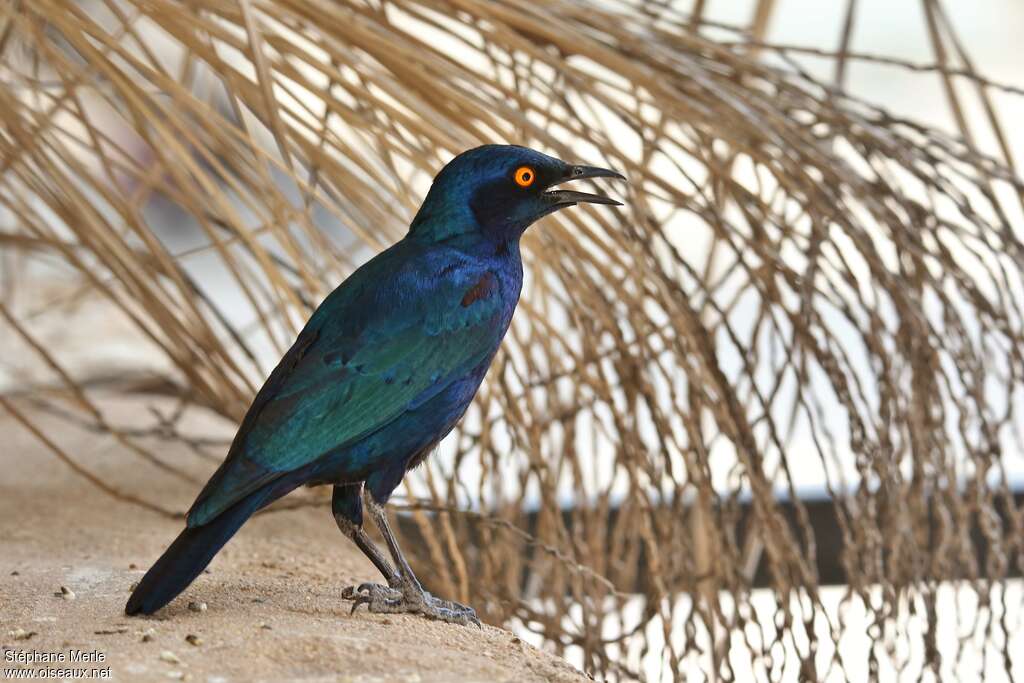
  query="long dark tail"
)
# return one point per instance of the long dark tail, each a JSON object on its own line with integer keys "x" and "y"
{"x": 191, "y": 551}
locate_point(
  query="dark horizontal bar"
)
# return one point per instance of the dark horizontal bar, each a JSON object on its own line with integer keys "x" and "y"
{"x": 824, "y": 523}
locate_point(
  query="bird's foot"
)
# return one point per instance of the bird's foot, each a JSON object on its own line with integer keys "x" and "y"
{"x": 386, "y": 600}
{"x": 366, "y": 592}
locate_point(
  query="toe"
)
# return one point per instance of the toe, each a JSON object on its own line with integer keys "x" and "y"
{"x": 361, "y": 600}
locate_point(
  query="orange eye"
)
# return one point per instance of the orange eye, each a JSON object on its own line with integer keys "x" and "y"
{"x": 525, "y": 176}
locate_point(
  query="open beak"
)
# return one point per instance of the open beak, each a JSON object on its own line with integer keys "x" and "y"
{"x": 560, "y": 198}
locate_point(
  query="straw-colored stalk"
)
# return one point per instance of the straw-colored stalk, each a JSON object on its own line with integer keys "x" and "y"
{"x": 799, "y": 281}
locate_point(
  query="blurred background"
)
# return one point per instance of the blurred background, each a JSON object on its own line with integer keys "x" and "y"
{"x": 763, "y": 423}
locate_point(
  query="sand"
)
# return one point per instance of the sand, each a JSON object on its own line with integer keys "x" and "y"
{"x": 268, "y": 609}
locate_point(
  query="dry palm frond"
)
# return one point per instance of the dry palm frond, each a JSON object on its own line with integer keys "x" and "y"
{"x": 802, "y": 288}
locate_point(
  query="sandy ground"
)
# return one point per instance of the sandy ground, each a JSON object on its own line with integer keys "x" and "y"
{"x": 273, "y": 596}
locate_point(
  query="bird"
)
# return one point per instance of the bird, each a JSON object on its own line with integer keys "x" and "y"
{"x": 384, "y": 368}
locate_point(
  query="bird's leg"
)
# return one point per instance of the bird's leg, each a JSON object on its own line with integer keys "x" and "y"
{"x": 363, "y": 542}
{"x": 412, "y": 597}
{"x": 344, "y": 509}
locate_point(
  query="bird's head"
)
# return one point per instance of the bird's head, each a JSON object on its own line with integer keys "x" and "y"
{"x": 497, "y": 191}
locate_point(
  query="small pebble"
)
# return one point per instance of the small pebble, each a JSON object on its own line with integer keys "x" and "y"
{"x": 65, "y": 593}
{"x": 266, "y": 627}
{"x": 193, "y": 639}
{"x": 21, "y": 634}
{"x": 148, "y": 635}
{"x": 132, "y": 565}
{"x": 197, "y": 606}
{"x": 15, "y": 573}
{"x": 516, "y": 641}
{"x": 176, "y": 675}
{"x": 169, "y": 657}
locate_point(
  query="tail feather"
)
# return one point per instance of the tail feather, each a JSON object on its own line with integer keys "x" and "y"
{"x": 189, "y": 555}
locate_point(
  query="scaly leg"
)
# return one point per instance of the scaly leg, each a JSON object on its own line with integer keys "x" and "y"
{"x": 411, "y": 597}
{"x": 341, "y": 506}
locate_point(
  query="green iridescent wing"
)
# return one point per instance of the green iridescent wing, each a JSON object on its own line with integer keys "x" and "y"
{"x": 366, "y": 356}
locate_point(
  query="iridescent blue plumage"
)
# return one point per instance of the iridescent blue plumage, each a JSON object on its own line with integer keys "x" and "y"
{"x": 383, "y": 370}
